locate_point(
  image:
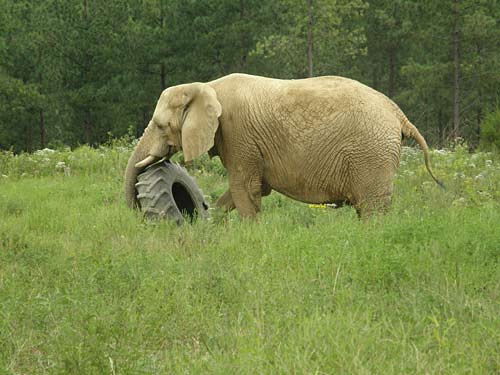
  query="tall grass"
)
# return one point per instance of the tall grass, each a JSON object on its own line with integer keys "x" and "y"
{"x": 88, "y": 287}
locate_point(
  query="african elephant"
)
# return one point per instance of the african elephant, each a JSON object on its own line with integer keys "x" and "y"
{"x": 316, "y": 140}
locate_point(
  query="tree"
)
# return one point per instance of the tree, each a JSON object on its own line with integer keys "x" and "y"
{"x": 438, "y": 74}
{"x": 310, "y": 26}
{"x": 481, "y": 65}
{"x": 388, "y": 28}
{"x": 75, "y": 72}
{"x": 338, "y": 38}
{"x": 26, "y": 76}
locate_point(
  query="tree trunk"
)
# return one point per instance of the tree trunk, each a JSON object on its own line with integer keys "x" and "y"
{"x": 456, "y": 71}
{"x": 391, "y": 89}
{"x": 145, "y": 121}
{"x": 163, "y": 74}
{"x": 87, "y": 122}
{"x": 87, "y": 126}
{"x": 310, "y": 23}
{"x": 40, "y": 89}
{"x": 479, "y": 113}
{"x": 479, "y": 116}
{"x": 375, "y": 78}
{"x": 42, "y": 129}
{"x": 441, "y": 135}
{"x": 28, "y": 145}
{"x": 243, "y": 58}
{"x": 163, "y": 77}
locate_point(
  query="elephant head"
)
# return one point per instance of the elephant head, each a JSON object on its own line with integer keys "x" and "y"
{"x": 185, "y": 118}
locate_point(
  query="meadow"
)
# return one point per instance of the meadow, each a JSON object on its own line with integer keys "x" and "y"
{"x": 87, "y": 286}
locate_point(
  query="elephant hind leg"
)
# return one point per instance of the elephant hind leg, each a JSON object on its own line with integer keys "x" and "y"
{"x": 373, "y": 205}
{"x": 375, "y": 198}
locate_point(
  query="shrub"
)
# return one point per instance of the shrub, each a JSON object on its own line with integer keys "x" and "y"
{"x": 490, "y": 130}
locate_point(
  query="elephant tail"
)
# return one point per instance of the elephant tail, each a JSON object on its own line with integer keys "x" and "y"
{"x": 409, "y": 130}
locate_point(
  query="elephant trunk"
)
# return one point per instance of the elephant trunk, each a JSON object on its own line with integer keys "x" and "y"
{"x": 140, "y": 153}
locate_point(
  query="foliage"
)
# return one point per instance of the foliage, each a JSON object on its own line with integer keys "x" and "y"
{"x": 490, "y": 130}
{"x": 338, "y": 38}
{"x": 87, "y": 286}
{"x": 428, "y": 72}
{"x": 47, "y": 162}
{"x": 72, "y": 72}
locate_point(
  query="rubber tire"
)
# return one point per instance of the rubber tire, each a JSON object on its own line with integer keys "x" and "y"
{"x": 166, "y": 190}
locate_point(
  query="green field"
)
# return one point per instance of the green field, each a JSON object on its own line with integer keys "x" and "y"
{"x": 88, "y": 287}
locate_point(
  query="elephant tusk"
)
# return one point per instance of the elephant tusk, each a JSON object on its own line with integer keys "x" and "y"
{"x": 149, "y": 160}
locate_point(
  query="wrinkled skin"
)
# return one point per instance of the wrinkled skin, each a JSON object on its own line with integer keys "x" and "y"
{"x": 316, "y": 140}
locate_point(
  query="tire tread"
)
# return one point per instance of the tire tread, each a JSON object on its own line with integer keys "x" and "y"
{"x": 154, "y": 188}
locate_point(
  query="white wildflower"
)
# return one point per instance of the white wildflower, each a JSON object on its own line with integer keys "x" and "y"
{"x": 61, "y": 166}
{"x": 489, "y": 163}
{"x": 480, "y": 176}
{"x": 472, "y": 165}
{"x": 45, "y": 151}
{"x": 4, "y": 176}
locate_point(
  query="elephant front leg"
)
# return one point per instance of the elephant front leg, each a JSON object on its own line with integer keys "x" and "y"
{"x": 246, "y": 204}
{"x": 225, "y": 202}
{"x": 246, "y": 194}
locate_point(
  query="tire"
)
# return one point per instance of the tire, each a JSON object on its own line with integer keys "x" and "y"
{"x": 166, "y": 190}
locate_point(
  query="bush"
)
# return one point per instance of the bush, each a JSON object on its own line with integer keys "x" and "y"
{"x": 490, "y": 130}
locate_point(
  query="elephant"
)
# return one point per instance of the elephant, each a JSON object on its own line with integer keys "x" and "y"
{"x": 317, "y": 140}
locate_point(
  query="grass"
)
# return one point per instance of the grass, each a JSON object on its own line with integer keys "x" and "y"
{"x": 88, "y": 287}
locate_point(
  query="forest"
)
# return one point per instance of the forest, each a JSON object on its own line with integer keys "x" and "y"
{"x": 88, "y": 71}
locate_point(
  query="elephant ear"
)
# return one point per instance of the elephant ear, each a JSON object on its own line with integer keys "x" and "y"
{"x": 201, "y": 114}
